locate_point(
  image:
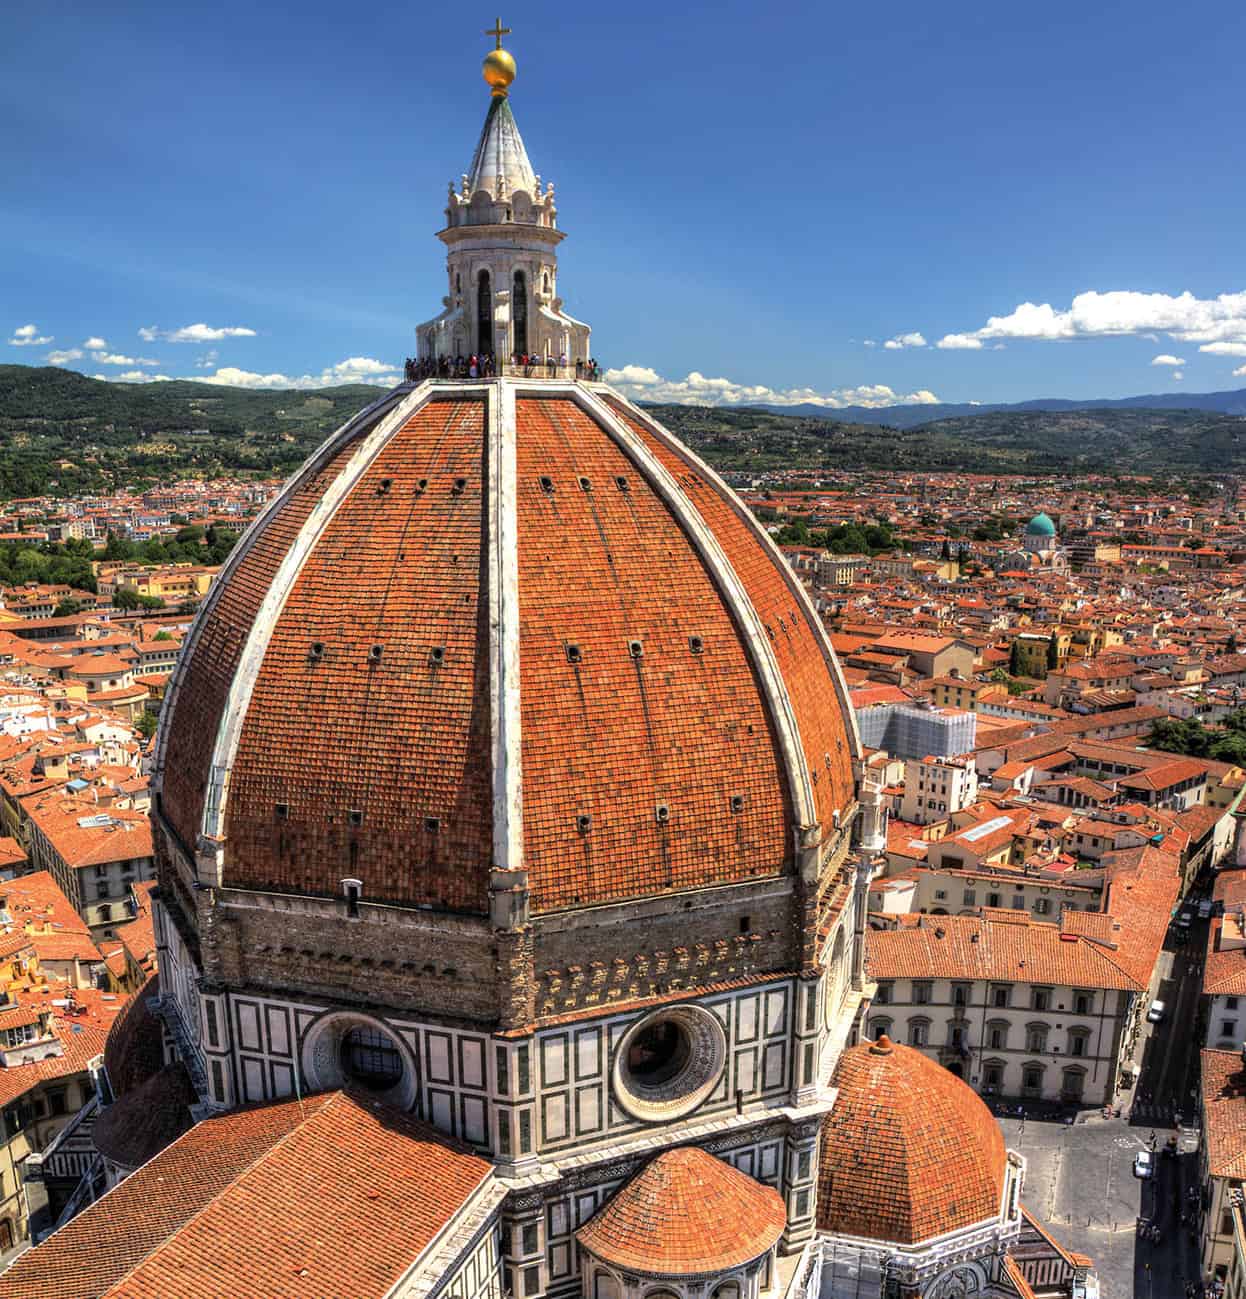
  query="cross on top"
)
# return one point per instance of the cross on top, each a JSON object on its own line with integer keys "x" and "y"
{"x": 498, "y": 31}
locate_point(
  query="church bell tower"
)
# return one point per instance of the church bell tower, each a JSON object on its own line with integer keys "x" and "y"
{"x": 502, "y": 238}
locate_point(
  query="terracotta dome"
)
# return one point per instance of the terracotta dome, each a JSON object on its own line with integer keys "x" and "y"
{"x": 140, "y": 1124}
{"x": 496, "y": 625}
{"x": 909, "y": 1152}
{"x": 686, "y": 1214}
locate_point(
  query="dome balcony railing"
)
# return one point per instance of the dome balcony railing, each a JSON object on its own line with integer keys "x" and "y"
{"x": 538, "y": 368}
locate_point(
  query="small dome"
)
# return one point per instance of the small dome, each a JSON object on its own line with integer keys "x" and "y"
{"x": 686, "y": 1214}
{"x": 909, "y": 1152}
{"x": 139, "y": 1125}
{"x": 1040, "y": 526}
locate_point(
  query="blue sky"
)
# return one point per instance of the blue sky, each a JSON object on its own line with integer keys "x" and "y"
{"x": 759, "y": 198}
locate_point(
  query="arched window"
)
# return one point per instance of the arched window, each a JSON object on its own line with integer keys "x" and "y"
{"x": 605, "y": 1286}
{"x": 1079, "y": 1041}
{"x": 484, "y": 314}
{"x": 545, "y": 283}
{"x": 458, "y": 282}
{"x": 919, "y": 1032}
{"x": 1072, "y": 1083}
{"x": 1032, "y": 1080}
{"x": 519, "y": 311}
{"x": 880, "y": 1028}
{"x": 993, "y": 1075}
{"x": 728, "y": 1290}
{"x": 1036, "y": 1037}
{"x": 997, "y": 1035}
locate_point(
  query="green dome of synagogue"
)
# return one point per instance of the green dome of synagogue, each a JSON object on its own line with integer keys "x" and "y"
{"x": 1040, "y": 526}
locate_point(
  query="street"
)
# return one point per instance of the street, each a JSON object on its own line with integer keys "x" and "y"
{"x": 1079, "y": 1177}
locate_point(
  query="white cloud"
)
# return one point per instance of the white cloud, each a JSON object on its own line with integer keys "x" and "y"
{"x": 1240, "y": 372}
{"x": 1166, "y": 359}
{"x": 959, "y": 342}
{"x": 207, "y": 360}
{"x": 94, "y": 344}
{"x": 1224, "y": 349}
{"x": 645, "y": 384}
{"x": 29, "y": 336}
{"x": 116, "y": 358}
{"x": 904, "y": 340}
{"x": 1188, "y": 319}
{"x": 63, "y": 358}
{"x": 869, "y": 342}
{"x": 137, "y": 376}
{"x": 1177, "y": 375}
{"x": 199, "y": 333}
{"x": 355, "y": 369}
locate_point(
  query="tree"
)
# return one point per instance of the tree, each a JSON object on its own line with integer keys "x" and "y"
{"x": 1053, "y": 653}
{"x": 946, "y": 550}
{"x": 67, "y": 608}
{"x": 1014, "y": 659}
{"x": 146, "y": 725}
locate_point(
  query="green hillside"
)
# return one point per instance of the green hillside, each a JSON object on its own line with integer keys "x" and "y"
{"x": 65, "y": 433}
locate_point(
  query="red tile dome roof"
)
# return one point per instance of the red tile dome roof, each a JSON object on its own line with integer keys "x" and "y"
{"x": 909, "y": 1152}
{"x": 686, "y": 1214}
{"x": 495, "y": 625}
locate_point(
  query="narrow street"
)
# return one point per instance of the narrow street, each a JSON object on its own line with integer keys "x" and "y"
{"x": 1080, "y": 1178}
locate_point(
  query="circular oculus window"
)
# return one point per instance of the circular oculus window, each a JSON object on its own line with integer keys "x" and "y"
{"x": 668, "y": 1063}
{"x": 350, "y": 1050}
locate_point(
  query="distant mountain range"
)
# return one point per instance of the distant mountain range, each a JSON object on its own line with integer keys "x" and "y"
{"x": 1225, "y": 403}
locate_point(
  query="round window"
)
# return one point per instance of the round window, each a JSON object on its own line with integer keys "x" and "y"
{"x": 346, "y": 1049}
{"x": 669, "y": 1063}
{"x": 370, "y": 1058}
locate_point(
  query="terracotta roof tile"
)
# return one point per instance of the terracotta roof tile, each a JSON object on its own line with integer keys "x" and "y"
{"x": 909, "y": 1152}
{"x": 297, "y": 1200}
{"x": 686, "y": 1213}
{"x": 1224, "y": 1112}
{"x": 382, "y": 770}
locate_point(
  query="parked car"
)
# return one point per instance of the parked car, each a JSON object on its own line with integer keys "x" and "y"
{"x": 1144, "y": 1164}
{"x": 1157, "y": 1012}
{"x": 1185, "y": 920}
{"x": 1204, "y": 910}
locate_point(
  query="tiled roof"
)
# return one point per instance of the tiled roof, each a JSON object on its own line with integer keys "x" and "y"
{"x": 38, "y": 905}
{"x": 683, "y": 1214}
{"x": 139, "y": 1125}
{"x": 383, "y": 768}
{"x": 1224, "y": 1112}
{"x": 1000, "y": 949}
{"x": 909, "y": 1152}
{"x": 86, "y": 833}
{"x": 332, "y": 1195}
{"x": 134, "y": 1050}
{"x": 82, "y": 1036}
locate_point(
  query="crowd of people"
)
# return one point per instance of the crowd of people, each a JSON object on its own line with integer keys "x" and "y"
{"x": 482, "y": 366}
